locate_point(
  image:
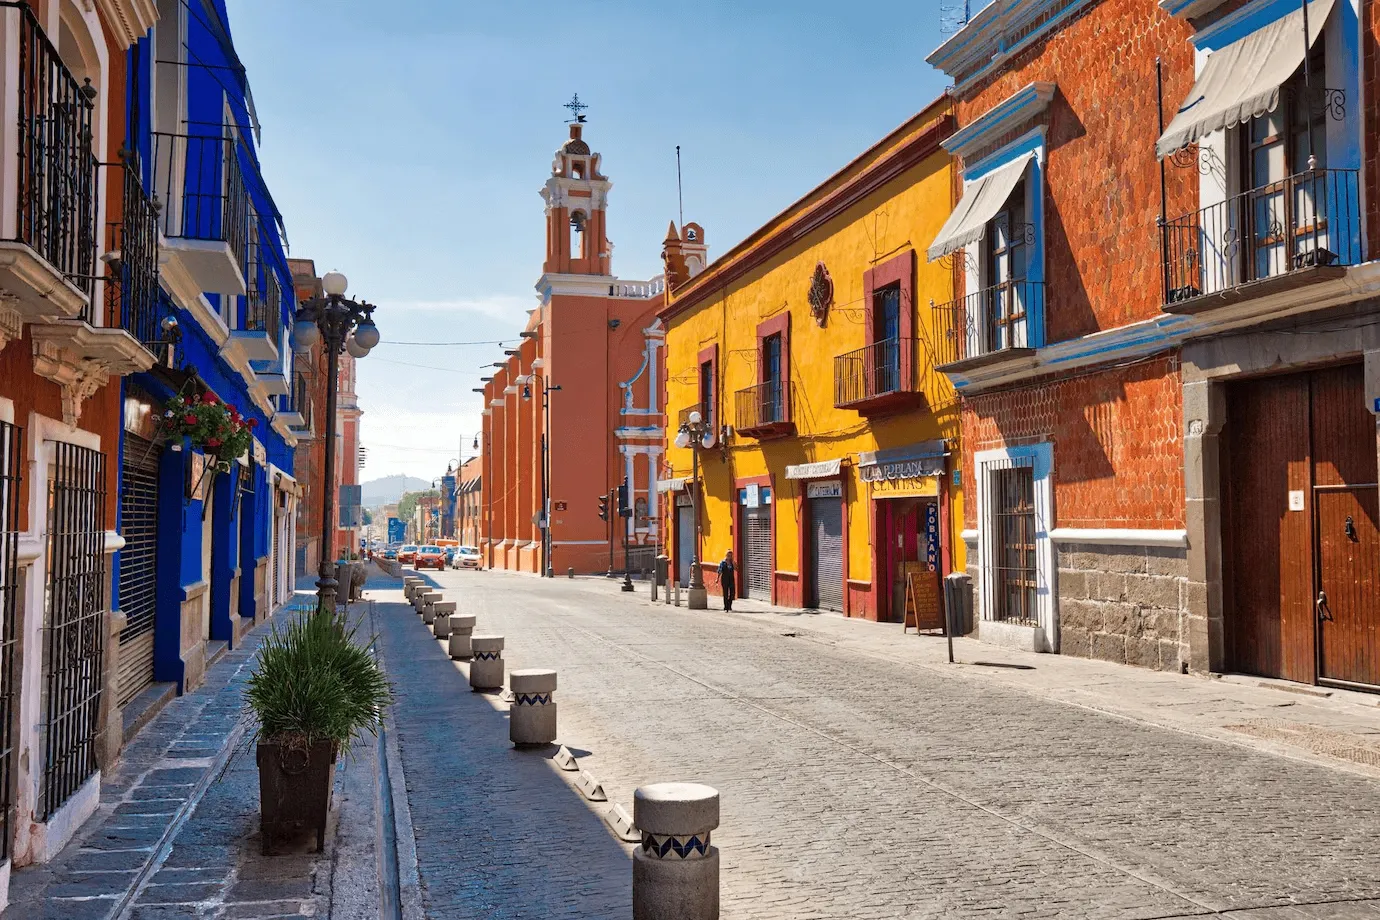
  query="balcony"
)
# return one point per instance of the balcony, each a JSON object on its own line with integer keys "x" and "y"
{"x": 131, "y": 275}
{"x": 260, "y": 321}
{"x": 879, "y": 378}
{"x": 986, "y": 327}
{"x": 764, "y": 411}
{"x": 205, "y": 217}
{"x": 295, "y": 408}
{"x": 1285, "y": 235}
{"x": 48, "y": 228}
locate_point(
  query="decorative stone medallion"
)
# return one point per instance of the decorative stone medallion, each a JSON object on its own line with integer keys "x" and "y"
{"x": 821, "y": 294}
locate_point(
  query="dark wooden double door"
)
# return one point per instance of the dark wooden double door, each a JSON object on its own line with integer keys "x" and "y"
{"x": 1301, "y": 528}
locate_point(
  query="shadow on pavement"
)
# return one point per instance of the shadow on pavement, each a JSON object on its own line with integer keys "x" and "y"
{"x": 499, "y": 833}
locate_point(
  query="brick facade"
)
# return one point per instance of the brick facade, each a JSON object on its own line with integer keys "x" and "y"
{"x": 1118, "y": 439}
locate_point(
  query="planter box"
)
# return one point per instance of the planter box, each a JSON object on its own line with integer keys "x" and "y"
{"x": 294, "y": 792}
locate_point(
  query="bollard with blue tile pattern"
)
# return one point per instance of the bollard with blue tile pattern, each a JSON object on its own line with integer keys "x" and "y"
{"x": 676, "y": 870}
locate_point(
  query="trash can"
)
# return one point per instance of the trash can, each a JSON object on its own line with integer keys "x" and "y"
{"x": 663, "y": 568}
{"x": 958, "y": 604}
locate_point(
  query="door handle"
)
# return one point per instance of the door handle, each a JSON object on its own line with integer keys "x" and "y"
{"x": 1320, "y": 605}
{"x": 1349, "y": 528}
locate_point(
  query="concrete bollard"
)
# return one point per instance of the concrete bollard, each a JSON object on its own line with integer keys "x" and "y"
{"x": 486, "y": 670}
{"x": 461, "y": 628}
{"x": 429, "y": 602}
{"x": 410, "y": 585}
{"x": 676, "y": 871}
{"x": 440, "y": 625}
{"x": 532, "y": 715}
{"x": 570, "y": 572}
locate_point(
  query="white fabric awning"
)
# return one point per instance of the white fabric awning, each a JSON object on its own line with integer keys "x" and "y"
{"x": 814, "y": 470}
{"x": 981, "y": 201}
{"x": 1243, "y": 79}
{"x": 671, "y": 485}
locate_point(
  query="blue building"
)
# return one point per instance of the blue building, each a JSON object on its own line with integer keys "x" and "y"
{"x": 206, "y": 551}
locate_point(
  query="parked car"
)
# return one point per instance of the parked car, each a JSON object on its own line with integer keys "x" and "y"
{"x": 450, "y": 553}
{"x": 430, "y": 557}
{"x": 467, "y": 557}
{"x": 391, "y": 553}
{"x": 408, "y": 554}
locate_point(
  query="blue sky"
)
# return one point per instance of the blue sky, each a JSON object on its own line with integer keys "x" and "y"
{"x": 407, "y": 149}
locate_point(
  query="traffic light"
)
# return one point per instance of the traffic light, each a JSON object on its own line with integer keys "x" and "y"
{"x": 603, "y": 507}
{"x": 624, "y": 506}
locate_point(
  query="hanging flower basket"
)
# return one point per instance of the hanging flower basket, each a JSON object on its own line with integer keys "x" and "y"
{"x": 210, "y": 426}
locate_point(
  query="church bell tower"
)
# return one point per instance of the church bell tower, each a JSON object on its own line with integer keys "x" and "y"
{"x": 576, "y": 199}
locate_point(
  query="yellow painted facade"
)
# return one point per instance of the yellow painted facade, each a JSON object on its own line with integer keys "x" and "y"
{"x": 881, "y": 210}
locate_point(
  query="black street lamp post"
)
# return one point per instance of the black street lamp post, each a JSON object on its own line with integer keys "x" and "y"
{"x": 340, "y": 324}
{"x": 546, "y": 390}
{"x": 696, "y": 433}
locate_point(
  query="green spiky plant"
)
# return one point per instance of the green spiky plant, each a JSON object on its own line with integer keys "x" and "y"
{"x": 315, "y": 682}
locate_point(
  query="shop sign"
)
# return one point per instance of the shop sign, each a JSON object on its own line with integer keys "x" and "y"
{"x": 932, "y": 535}
{"x": 814, "y": 470}
{"x": 824, "y": 489}
{"x": 905, "y": 488}
{"x": 903, "y": 469}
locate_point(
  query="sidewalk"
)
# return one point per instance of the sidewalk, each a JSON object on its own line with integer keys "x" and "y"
{"x": 177, "y": 831}
{"x": 1334, "y": 728}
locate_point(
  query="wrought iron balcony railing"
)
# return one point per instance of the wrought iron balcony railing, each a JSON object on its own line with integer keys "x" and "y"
{"x": 1308, "y": 220}
{"x": 880, "y": 373}
{"x": 299, "y": 401}
{"x": 199, "y": 180}
{"x": 55, "y": 178}
{"x": 989, "y": 323}
{"x": 131, "y": 280}
{"x": 763, "y": 409}
{"x": 263, "y": 304}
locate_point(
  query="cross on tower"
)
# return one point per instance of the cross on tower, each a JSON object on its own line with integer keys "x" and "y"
{"x": 576, "y": 107}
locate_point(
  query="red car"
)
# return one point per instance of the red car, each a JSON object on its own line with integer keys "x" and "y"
{"x": 408, "y": 554}
{"x": 430, "y": 557}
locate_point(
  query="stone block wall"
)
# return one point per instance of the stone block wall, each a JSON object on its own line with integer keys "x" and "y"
{"x": 1125, "y": 604}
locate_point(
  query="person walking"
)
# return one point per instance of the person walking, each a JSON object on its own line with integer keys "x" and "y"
{"x": 728, "y": 579}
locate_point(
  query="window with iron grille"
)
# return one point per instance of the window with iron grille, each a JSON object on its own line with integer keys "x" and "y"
{"x": 1014, "y": 494}
{"x": 74, "y": 630}
{"x": 11, "y": 443}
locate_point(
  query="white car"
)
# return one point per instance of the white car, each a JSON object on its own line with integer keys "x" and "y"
{"x": 467, "y": 557}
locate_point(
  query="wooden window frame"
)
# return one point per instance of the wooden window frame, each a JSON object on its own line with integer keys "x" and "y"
{"x": 709, "y": 401}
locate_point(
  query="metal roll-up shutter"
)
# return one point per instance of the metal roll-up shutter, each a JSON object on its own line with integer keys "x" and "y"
{"x": 138, "y": 565}
{"x": 757, "y": 545}
{"x": 826, "y": 518}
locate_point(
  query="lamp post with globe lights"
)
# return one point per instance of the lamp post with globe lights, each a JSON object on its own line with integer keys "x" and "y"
{"x": 696, "y": 434}
{"x": 341, "y": 325}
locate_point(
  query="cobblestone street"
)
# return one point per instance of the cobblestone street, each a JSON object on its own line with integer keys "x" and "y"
{"x": 857, "y": 784}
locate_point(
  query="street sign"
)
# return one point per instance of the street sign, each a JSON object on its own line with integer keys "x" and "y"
{"x": 558, "y": 506}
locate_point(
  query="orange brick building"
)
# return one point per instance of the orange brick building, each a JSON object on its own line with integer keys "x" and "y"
{"x": 583, "y": 380}
{"x": 1165, "y": 339}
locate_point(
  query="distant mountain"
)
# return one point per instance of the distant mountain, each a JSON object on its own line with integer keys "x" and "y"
{"x": 390, "y": 488}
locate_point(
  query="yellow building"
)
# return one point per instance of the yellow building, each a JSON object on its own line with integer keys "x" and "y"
{"x": 808, "y": 349}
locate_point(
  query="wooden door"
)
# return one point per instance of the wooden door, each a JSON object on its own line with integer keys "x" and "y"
{"x": 1347, "y": 528}
{"x": 1267, "y": 548}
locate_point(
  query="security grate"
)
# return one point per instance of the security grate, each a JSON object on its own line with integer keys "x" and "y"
{"x": 11, "y": 450}
{"x": 138, "y": 564}
{"x": 73, "y": 640}
{"x": 1015, "y": 570}
{"x": 757, "y": 543}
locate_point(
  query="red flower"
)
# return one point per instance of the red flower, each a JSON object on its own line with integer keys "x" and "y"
{"x": 208, "y": 398}
{"x": 253, "y": 423}
{"x": 213, "y": 442}
{"x": 189, "y": 419}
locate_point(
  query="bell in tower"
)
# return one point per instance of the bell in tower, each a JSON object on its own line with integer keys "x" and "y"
{"x": 576, "y": 198}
